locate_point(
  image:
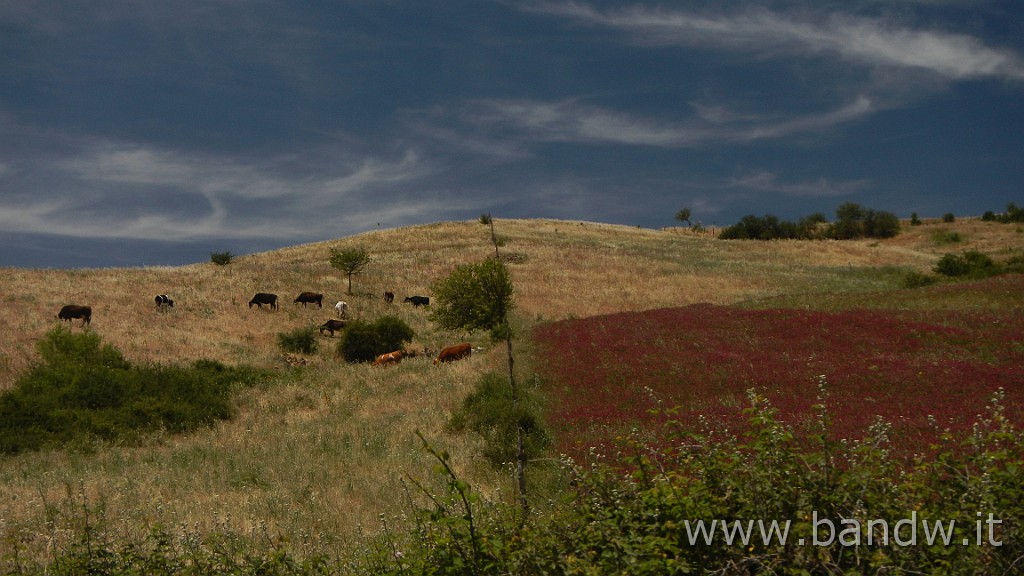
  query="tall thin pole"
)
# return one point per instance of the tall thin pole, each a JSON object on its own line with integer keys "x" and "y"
{"x": 520, "y": 445}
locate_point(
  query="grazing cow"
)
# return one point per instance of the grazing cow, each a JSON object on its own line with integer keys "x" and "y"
{"x": 389, "y": 297}
{"x": 418, "y": 301}
{"x": 310, "y": 298}
{"x": 453, "y": 353}
{"x": 332, "y": 325}
{"x": 341, "y": 309}
{"x": 262, "y": 298}
{"x": 72, "y": 311}
{"x": 388, "y": 359}
{"x": 164, "y": 301}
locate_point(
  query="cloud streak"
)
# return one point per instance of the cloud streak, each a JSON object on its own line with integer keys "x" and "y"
{"x": 146, "y": 193}
{"x": 763, "y": 33}
{"x": 574, "y": 121}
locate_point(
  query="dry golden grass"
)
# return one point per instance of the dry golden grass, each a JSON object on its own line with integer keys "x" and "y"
{"x": 325, "y": 449}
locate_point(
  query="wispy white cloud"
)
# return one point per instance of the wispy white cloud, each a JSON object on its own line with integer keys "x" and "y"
{"x": 765, "y": 181}
{"x": 138, "y": 192}
{"x": 573, "y": 121}
{"x": 873, "y": 42}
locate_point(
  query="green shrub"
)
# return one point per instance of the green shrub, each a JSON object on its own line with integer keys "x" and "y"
{"x": 852, "y": 221}
{"x": 299, "y": 341}
{"x": 1013, "y": 213}
{"x": 221, "y": 258}
{"x": 364, "y": 341}
{"x": 1014, "y": 264}
{"x": 918, "y": 280}
{"x": 972, "y": 264}
{"x": 83, "y": 389}
{"x": 490, "y": 412}
{"x": 942, "y": 237}
{"x": 948, "y": 218}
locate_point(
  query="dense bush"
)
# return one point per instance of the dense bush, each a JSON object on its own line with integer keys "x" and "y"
{"x": 770, "y": 227}
{"x": 1013, "y": 214}
{"x": 852, "y": 221}
{"x": 221, "y": 258}
{"x": 971, "y": 264}
{"x": 490, "y": 412}
{"x": 918, "y": 280}
{"x": 363, "y": 341}
{"x": 82, "y": 389}
{"x": 300, "y": 341}
{"x": 945, "y": 237}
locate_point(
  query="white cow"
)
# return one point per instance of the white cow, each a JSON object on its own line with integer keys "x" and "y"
{"x": 341, "y": 308}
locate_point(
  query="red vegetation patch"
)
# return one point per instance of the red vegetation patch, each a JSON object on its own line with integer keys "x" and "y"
{"x": 604, "y": 375}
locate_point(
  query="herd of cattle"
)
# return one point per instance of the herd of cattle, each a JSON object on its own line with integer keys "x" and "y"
{"x": 449, "y": 354}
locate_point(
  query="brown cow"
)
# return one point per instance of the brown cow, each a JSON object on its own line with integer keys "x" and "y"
{"x": 453, "y": 353}
{"x": 332, "y": 325}
{"x": 389, "y": 297}
{"x": 311, "y": 298}
{"x": 388, "y": 359}
{"x": 72, "y": 311}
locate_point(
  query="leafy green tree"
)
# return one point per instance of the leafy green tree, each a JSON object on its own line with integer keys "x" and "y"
{"x": 473, "y": 297}
{"x": 684, "y": 216}
{"x": 849, "y": 222}
{"x": 808, "y": 226}
{"x": 855, "y": 221}
{"x": 351, "y": 261}
{"x": 881, "y": 224}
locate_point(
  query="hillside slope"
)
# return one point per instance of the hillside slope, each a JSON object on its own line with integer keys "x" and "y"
{"x": 561, "y": 269}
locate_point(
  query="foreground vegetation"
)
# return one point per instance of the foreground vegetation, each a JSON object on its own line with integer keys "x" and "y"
{"x": 333, "y": 467}
{"x": 775, "y": 500}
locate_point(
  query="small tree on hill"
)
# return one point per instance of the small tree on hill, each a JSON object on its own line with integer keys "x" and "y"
{"x": 684, "y": 216}
{"x": 351, "y": 261}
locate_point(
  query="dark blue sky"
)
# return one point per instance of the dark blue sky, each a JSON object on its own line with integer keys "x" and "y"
{"x": 151, "y": 133}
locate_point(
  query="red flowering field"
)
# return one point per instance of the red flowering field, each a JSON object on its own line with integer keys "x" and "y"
{"x": 912, "y": 367}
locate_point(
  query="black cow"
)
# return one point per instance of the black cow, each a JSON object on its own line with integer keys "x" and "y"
{"x": 164, "y": 301}
{"x": 262, "y": 298}
{"x": 310, "y": 298}
{"x": 389, "y": 297}
{"x": 418, "y": 301}
{"x": 332, "y": 325}
{"x": 72, "y": 311}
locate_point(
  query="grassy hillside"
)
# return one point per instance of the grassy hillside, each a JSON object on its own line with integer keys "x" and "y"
{"x": 320, "y": 452}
